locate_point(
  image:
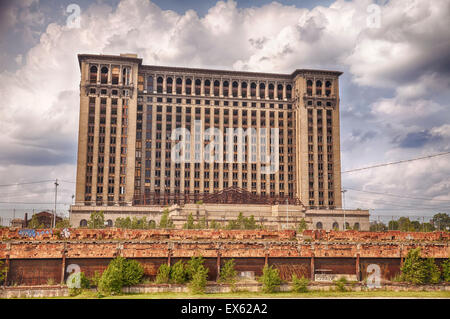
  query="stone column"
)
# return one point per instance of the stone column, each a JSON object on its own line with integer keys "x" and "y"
{"x": 312, "y": 267}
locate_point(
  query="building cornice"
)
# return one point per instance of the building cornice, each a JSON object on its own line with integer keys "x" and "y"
{"x": 206, "y": 72}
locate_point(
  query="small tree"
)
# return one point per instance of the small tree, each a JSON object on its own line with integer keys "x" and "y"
{"x": 446, "y": 270}
{"x": 299, "y": 284}
{"x": 214, "y": 225}
{"x": 166, "y": 221}
{"x": 35, "y": 224}
{"x": 96, "y": 220}
{"x": 270, "y": 279}
{"x": 189, "y": 223}
{"x": 65, "y": 223}
{"x": 301, "y": 226}
{"x": 417, "y": 270}
{"x": 178, "y": 274}
{"x": 199, "y": 280}
{"x": 227, "y": 273}
{"x": 193, "y": 265}
{"x": 163, "y": 275}
{"x": 120, "y": 273}
{"x": 201, "y": 223}
{"x": 3, "y": 271}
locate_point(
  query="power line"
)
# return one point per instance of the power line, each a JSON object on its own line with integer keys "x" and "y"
{"x": 392, "y": 163}
{"x": 400, "y": 196}
{"x": 25, "y": 183}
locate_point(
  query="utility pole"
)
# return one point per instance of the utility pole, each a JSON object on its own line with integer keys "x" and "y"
{"x": 343, "y": 195}
{"x": 287, "y": 213}
{"x": 56, "y": 198}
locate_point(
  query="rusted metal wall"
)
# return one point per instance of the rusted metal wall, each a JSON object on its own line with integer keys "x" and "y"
{"x": 335, "y": 265}
{"x": 290, "y": 266}
{"x": 34, "y": 271}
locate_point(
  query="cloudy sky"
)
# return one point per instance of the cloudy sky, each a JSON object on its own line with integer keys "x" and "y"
{"x": 395, "y": 94}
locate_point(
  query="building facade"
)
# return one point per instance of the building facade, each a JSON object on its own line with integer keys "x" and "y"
{"x": 155, "y": 136}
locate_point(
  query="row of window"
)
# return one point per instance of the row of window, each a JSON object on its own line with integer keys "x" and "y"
{"x": 249, "y": 89}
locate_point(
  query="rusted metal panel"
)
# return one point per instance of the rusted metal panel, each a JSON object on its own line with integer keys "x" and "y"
{"x": 335, "y": 265}
{"x": 255, "y": 265}
{"x": 389, "y": 267}
{"x": 289, "y": 266}
{"x": 34, "y": 271}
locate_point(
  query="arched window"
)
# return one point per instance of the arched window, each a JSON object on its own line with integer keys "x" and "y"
{"x": 244, "y": 89}
{"x": 262, "y": 90}
{"x": 179, "y": 85}
{"x": 356, "y": 226}
{"x": 198, "y": 84}
{"x": 335, "y": 226}
{"x": 93, "y": 74}
{"x": 318, "y": 87}
{"x": 347, "y": 225}
{"x": 109, "y": 223}
{"x": 169, "y": 82}
{"x": 216, "y": 88}
{"x": 207, "y": 87}
{"x": 288, "y": 91}
{"x": 159, "y": 84}
{"x": 271, "y": 88}
{"x": 280, "y": 91}
{"x": 83, "y": 223}
{"x": 188, "y": 86}
{"x": 104, "y": 75}
{"x": 235, "y": 89}
{"x": 253, "y": 89}
{"x": 150, "y": 84}
{"x": 225, "y": 88}
{"x": 319, "y": 225}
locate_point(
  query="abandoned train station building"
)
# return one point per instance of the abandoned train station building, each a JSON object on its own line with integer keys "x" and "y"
{"x": 210, "y": 143}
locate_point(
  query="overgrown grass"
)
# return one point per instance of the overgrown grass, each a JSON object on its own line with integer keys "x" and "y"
{"x": 246, "y": 294}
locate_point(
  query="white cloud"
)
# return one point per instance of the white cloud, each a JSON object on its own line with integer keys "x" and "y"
{"x": 40, "y": 101}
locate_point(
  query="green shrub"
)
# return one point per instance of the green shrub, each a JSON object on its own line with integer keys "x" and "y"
{"x": 433, "y": 274}
{"x": 85, "y": 283}
{"x": 446, "y": 270}
{"x": 120, "y": 273}
{"x": 270, "y": 279}
{"x": 299, "y": 284}
{"x": 418, "y": 271}
{"x": 166, "y": 221}
{"x": 3, "y": 270}
{"x": 227, "y": 273}
{"x": 199, "y": 279}
{"x": 95, "y": 280}
{"x": 340, "y": 284}
{"x": 96, "y": 220}
{"x": 193, "y": 265}
{"x": 178, "y": 274}
{"x": 163, "y": 275}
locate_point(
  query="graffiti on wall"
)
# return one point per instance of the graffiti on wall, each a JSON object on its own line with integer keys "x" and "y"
{"x": 33, "y": 232}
